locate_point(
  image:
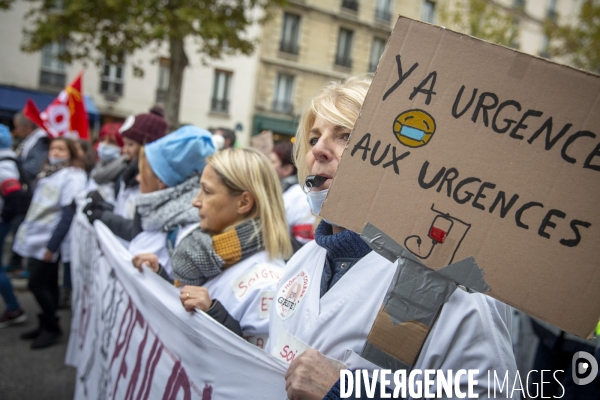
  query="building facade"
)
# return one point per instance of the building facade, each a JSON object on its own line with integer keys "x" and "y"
{"x": 220, "y": 94}
{"x": 305, "y": 45}
{"x": 311, "y": 42}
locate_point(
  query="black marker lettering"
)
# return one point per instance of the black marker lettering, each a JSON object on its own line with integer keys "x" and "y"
{"x": 469, "y": 194}
{"x": 421, "y": 88}
{"x": 569, "y": 142}
{"x": 448, "y": 178}
{"x": 550, "y": 141}
{"x": 509, "y": 122}
{"x": 401, "y": 76}
{"x": 546, "y": 222}
{"x": 455, "y": 112}
{"x": 521, "y": 210}
{"x": 395, "y": 160}
{"x": 435, "y": 179}
{"x": 574, "y": 224}
{"x": 365, "y": 148}
{"x": 504, "y": 207}
{"x": 480, "y": 195}
{"x": 373, "y": 154}
{"x": 485, "y": 107}
{"x": 588, "y": 160}
{"x": 529, "y": 113}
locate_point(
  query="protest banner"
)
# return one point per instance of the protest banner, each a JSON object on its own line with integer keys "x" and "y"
{"x": 466, "y": 148}
{"x": 131, "y": 337}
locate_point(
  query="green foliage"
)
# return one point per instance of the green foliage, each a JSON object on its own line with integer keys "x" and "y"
{"x": 578, "y": 43}
{"x": 481, "y": 18}
{"x": 109, "y": 29}
{"x": 5, "y": 4}
{"x": 93, "y": 28}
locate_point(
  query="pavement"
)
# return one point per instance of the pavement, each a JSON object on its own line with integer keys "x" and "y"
{"x": 34, "y": 374}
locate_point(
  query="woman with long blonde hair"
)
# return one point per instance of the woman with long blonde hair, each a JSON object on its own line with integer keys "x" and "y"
{"x": 343, "y": 283}
{"x": 235, "y": 256}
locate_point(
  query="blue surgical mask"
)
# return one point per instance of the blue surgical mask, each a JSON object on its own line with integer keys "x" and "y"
{"x": 315, "y": 201}
{"x": 57, "y": 160}
{"x": 108, "y": 152}
{"x": 412, "y": 133}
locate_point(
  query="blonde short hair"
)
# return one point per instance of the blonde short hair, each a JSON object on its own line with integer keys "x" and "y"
{"x": 338, "y": 102}
{"x": 248, "y": 170}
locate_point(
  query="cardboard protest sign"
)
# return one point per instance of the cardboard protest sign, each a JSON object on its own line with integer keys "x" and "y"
{"x": 263, "y": 142}
{"x": 465, "y": 148}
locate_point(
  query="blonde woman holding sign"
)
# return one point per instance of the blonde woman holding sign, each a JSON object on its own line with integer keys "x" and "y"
{"x": 333, "y": 288}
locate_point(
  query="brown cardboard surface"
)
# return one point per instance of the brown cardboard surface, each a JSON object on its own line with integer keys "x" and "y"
{"x": 545, "y": 262}
{"x": 385, "y": 335}
{"x": 263, "y": 142}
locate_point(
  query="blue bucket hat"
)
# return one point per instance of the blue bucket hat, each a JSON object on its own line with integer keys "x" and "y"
{"x": 6, "y": 139}
{"x": 178, "y": 155}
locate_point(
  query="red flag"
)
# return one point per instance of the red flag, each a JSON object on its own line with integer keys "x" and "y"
{"x": 65, "y": 116}
{"x": 31, "y": 111}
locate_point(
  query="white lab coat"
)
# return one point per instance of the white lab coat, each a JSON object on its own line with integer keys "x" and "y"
{"x": 246, "y": 291}
{"x": 471, "y": 332}
{"x": 156, "y": 242}
{"x": 125, "y": 202}
{"x": 106, "y": 190}
{"x": 8, "y": 169}
{"x": 297, "y": 211}
{"x": 51, "y": 194}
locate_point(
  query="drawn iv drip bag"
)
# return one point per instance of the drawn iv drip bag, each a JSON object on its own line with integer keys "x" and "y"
{"x": 438, "y": 231}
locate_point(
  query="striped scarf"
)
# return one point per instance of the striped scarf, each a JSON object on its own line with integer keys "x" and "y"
{"x": 49, "y": 169}
{"x": 200, "y": 256}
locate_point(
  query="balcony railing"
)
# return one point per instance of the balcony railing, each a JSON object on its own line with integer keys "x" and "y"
{"x": 288, "y": 47}
{"x": 383, "y": 15}
{"x": 283, "y": 107}
{"x": 350, "y": 4}
{"x": 344, "y": 61}
{"x": 219, "y": 105}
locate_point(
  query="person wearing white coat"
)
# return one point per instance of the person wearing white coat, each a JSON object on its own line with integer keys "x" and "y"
{"x": 230, "y": 265}
{"x": 297, "y": 211}
{"x": 43, "y": 236}
{"x": 13, "y": 202}
{"x": 136, "y": 132}
{"x": 333, "y": 288}
{"x": 169, "y": 175}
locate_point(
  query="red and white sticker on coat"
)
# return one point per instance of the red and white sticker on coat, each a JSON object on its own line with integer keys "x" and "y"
{"x": 256, "y": 277}
{"x": 288, "y": 347}
{"x": 266, "y": 299}
{"x": 290, "y": 295}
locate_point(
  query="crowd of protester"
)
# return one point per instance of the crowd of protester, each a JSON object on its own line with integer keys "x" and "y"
{"x": 198, "y": 211}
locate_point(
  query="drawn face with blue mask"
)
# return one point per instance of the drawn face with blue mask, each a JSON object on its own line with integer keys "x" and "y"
{"x": 414, "y": 128}
{"x": 326, "y": 142}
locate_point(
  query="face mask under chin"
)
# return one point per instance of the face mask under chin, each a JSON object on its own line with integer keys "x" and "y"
{"x": 57, "y": 160}
{"x": 315, "y": 201}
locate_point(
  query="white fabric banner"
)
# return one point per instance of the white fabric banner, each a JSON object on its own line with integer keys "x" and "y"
{"x": 132, "y": 339}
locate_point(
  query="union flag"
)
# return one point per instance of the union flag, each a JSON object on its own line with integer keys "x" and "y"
{"x": 65, "y": 116}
